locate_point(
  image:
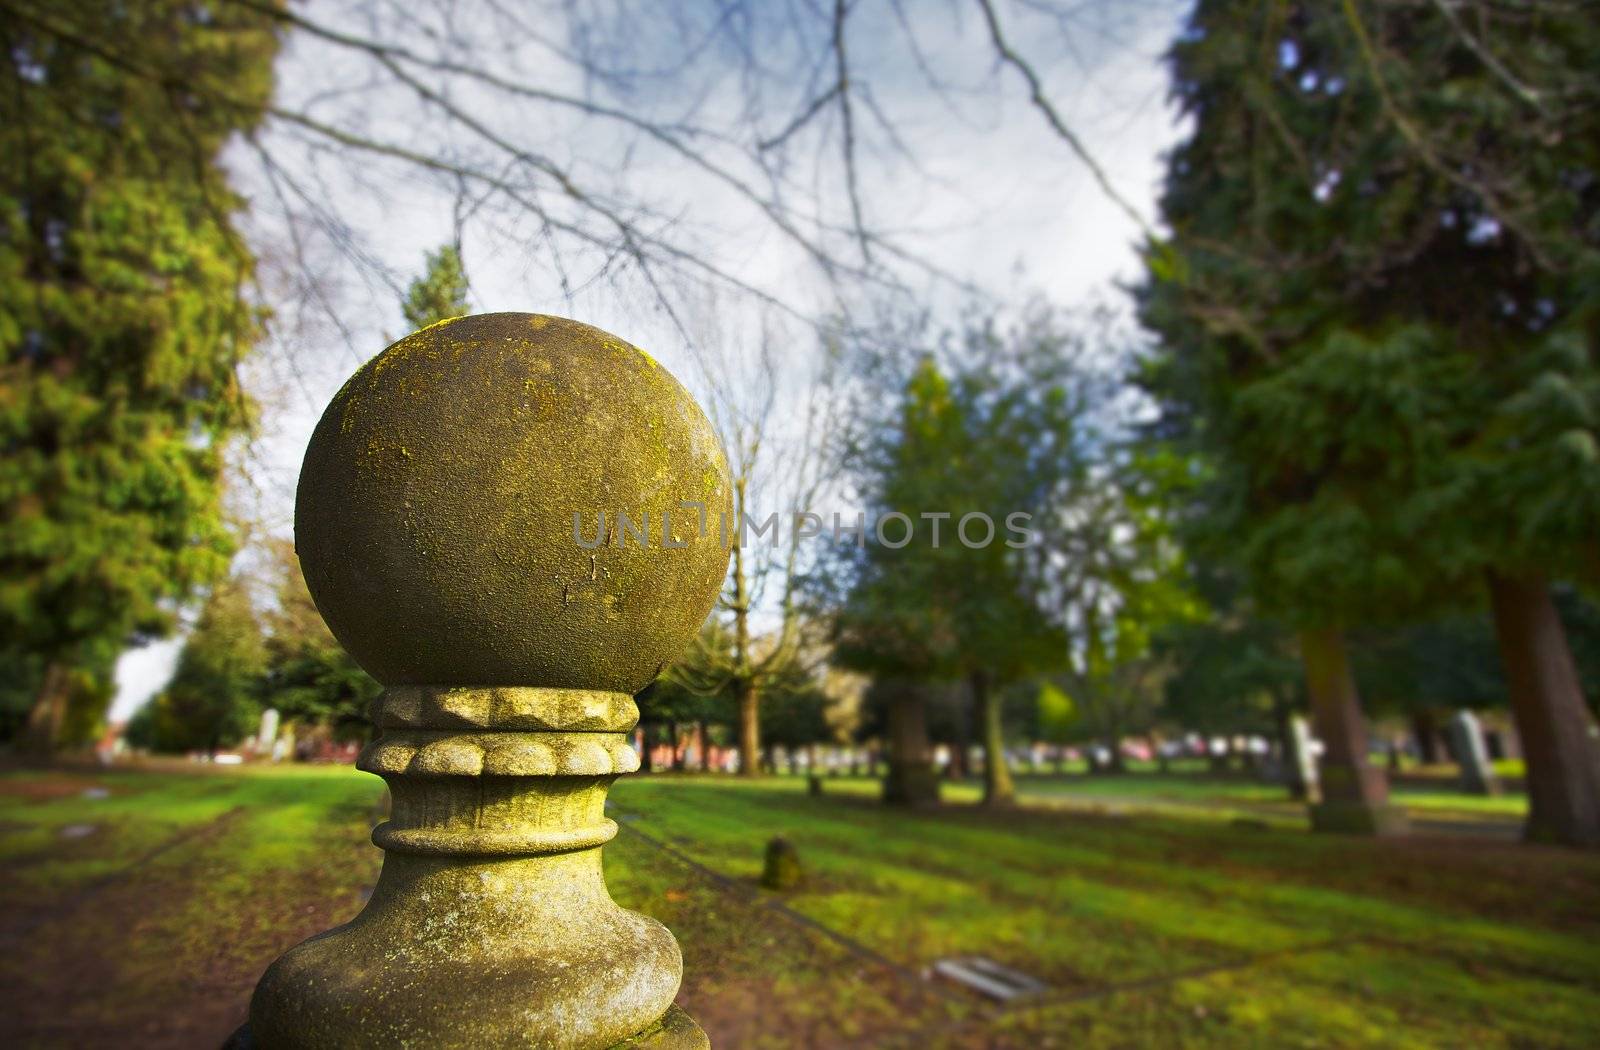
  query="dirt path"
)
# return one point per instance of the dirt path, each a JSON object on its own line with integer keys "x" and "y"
{"x": 141, "y": 957}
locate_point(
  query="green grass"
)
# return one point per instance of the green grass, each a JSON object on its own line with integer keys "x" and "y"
{"x": 186, "y": 884}
{"x": 1158, "y": 921}
{"x": 1197, "y": 794}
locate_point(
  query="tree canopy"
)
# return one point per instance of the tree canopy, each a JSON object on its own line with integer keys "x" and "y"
{"x": 214, "y": 697}
{"x": 123, "y": 316}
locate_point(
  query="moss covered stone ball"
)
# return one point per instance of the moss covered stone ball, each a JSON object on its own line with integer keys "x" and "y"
{"x": 435, "y": 518}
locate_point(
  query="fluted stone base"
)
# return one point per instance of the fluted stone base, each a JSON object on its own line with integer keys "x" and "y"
{"x": 490, "y": 925}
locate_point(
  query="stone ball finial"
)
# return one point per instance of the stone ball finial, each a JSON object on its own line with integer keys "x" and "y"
{"x": 435, "y": 518}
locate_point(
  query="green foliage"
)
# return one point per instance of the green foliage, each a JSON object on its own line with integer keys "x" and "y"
{"x": 1118, "y": 577}
{"x": 1057, "y": 718}
{"x": 1229, "y": 676}
{"x": 996, "y": 435}
{"x": 122, "y": 318}
{"x": 308, "y": 675}
{"x": 89, "y": 688}
{"x": 1231, "y": 670}
{"x": 792, "y": 709}
{"x": 1377, "y": 304}
{"x": 214, "y": 697}
{"x": 1444, "y": 663}
{"x": 697, "y": 688}
{"x": 694, "y": 689}
{"x": 440, "y": 293}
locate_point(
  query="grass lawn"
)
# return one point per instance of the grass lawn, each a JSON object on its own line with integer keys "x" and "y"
{"x": 144, "y": 911}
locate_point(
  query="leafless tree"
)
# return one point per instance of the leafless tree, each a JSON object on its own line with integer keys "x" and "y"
{"x": 624, "y": 140}
{"x": 776, "y": 478}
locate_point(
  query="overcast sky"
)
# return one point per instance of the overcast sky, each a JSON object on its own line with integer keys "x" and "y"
{"x": 988, "y": 194}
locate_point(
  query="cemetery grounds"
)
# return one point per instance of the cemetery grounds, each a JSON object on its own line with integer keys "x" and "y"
{"x": 1160, "y": 911}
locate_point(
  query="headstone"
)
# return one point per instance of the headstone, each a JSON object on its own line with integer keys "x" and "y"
{"x": 441, "y": 522}
{"x": 268, "y": 734}
{"x": 1303, "y": 781}
{"x": 1466, "y": 739}
{"x": 780, "y": 870}
{"x": 283, "y": 747}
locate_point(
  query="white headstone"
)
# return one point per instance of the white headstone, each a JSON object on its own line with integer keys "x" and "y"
{"x": 268, "y": 734}
{"x": 1466, "y": 739}
{"x": 1303, "y": 763}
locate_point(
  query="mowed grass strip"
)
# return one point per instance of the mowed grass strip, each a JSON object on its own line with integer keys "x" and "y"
{"x": 1094, "y": 904}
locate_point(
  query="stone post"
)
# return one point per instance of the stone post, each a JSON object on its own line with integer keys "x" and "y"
{"x": 1477, "y": 772}
{"x": 447, "y": 522}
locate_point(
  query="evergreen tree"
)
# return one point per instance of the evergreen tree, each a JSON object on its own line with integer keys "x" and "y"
{"x": 122, "y": 318}
{"x": 1378, "y": 313}
{"x": 440, "y": 293}
{"x": 793, "y": 710}
{"x": 213, "y": 699}
{"x": 997, "y": 438}
{"x": 693, "y": 689}
{"x": 308, "y": 676}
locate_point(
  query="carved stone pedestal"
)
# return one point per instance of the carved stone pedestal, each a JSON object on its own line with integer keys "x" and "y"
{"x": 435, "y": 524}
{"x": 491, "y": 915}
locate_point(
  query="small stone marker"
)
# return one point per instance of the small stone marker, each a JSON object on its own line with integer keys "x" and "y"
{"x": 437, "y": 524}
{"x": 814, "y": 786}
{"x": 1466, "y": 740}
{"x": 781, "y": 868}
{"x": 989, "y": 978}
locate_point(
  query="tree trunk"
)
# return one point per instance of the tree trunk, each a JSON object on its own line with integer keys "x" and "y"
{"x": 1426, "y": 732}
{"x": 1558, "y": 736}
{"x": 746, "y": 691}
{"x": 646, "y": 763}
{"x": 749, "y": 701}
{"x": 1355, "y": 794}
{"x": 677, "y": 752}
{"x": 49, "y": 710}
{"x": 961, "y": 745}
{"x": 1115, "y": 763}
{"x": 997, "y": 787}
{"x": 911, "y": 779}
